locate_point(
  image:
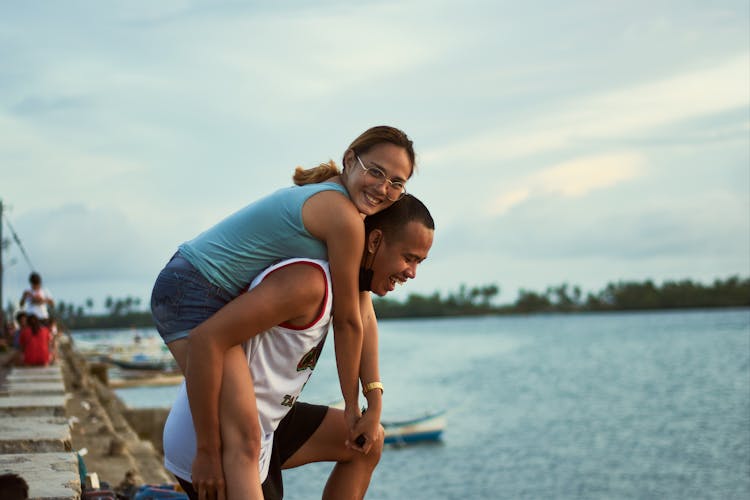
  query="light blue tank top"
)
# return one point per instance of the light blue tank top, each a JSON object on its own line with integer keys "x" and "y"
{"x": 237, "y": 249}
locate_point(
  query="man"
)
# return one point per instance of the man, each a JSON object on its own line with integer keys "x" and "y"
{"x": 283, "y": 321}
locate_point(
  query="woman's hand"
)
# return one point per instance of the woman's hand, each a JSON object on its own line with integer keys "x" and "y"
{"x": 208, "y": 476}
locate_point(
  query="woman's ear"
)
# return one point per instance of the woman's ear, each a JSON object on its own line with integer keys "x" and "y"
{"x": 373, "y": 240}
{"x": 349, "y": 159}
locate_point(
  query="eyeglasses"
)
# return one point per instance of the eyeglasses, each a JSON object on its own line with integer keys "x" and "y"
{"x": 395, "y": 189}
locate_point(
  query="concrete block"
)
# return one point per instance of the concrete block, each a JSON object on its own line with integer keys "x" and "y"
{"x": 50, "y": 476}
{"x": 34, "y": 435}
{"x": 33, "y": 387}
{"x": 33, "y": 406}
{"x": 55, "y": 369}
{"x": 46, "y": 373}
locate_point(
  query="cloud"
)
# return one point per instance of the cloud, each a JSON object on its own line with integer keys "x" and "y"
{"x": 571, "y": 179}
{"x": 509, "y": 199}
{"x": 75, "y": 242}
{"x": 580, "y": 176}
{"x": 67, "y": 169}
{"x": 609, "y": 116}
{"x": 43, "y": 105}
{"x": 706, "y": 91}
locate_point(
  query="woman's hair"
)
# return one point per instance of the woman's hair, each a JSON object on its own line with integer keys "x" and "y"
{"x": 321, "y": 173}
{"x": 383, "y": 134}
{"x": 361, "y": 145}
{"x": 395, "y": 218}
{"x": 35, "y": 279}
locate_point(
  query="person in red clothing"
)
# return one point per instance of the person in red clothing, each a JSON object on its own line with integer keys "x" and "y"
{"x": 35, "y": 343}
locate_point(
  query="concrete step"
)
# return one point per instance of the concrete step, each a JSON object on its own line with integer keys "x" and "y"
{"x": 33, "y": 374}
{"x": 31, "y": 388}
{"x": 50, "y": 476}
{"x": 33, "y": 406}
{"x": 34, "y": 435}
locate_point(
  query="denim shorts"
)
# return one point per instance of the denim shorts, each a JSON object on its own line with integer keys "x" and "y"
{"x": 183, "y": 298}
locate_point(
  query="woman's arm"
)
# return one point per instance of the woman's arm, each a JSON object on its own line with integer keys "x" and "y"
{"x": 369, "y": 371}
{"x": 332, "y": 218}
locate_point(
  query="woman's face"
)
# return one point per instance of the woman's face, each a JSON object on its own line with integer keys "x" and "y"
{"x": 368, "y": 194}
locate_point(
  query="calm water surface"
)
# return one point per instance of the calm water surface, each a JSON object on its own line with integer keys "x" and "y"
{"x": 646, "y": 405}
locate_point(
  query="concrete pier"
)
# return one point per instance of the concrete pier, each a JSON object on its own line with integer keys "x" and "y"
{"x": 35, "y": 439}
{"x": 48, "y": 414}
{"x": 33, "y": 406}
{"x": 34, "y": 435}
{"x": 50, "y": 476}
{"x": 35, "y": 388}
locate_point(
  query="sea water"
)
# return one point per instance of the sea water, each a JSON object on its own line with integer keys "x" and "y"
{"x": 636, "y": 405}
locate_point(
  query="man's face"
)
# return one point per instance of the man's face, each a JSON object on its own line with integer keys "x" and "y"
{"x": 396, "y": 261}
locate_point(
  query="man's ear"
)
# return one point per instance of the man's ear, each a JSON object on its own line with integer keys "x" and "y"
{"x": 373, "y": 240}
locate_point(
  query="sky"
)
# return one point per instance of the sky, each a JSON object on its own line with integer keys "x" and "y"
{"x": 582, "y": 142}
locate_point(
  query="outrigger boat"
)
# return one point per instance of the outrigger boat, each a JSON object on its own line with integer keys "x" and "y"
{"x": 142, "y": 361}
{"x": 422, "y": 429}
{"x": 426, "y": 428}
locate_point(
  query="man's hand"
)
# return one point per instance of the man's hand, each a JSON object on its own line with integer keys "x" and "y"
{"x": 352, "y": 415}
{"x": 366, "y": 431}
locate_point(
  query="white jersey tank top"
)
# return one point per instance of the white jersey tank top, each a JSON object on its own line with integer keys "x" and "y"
{"x": 281, "y": 361}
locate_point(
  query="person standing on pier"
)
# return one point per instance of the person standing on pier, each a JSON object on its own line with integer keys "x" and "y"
{"x": 37, "y": 298}
{"x": 320, "y": 218}
{"x": 282, "y": 323}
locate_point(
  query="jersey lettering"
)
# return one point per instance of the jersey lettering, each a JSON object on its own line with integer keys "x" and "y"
{"x": 310, "y": 359}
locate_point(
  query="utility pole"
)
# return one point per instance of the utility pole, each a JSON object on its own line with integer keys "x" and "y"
{"x": 2, "y": 247}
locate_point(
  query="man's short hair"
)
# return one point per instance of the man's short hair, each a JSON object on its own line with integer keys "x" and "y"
{"x": 396, "y": 217}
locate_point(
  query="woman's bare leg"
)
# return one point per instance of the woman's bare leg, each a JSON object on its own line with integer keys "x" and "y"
{"x": 178, "y": 348}
{"x": 240, "y": 429}
{"x": 238, "y": 418}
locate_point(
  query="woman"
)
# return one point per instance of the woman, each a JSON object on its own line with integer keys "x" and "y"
{"x": 319, "y": 218}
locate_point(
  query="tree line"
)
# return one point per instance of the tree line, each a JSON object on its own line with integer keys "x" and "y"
{"x": 123, "y": 312}
{"x": 478, "y": 300}
{"x": 619, "y": 296}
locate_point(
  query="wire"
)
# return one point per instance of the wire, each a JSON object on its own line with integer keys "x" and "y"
{"x": 18, "y": 242}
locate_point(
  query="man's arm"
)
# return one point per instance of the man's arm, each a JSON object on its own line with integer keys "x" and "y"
{"x": 283, "y": 295}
